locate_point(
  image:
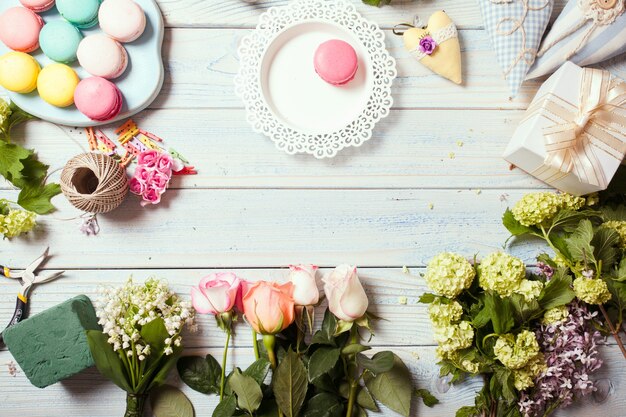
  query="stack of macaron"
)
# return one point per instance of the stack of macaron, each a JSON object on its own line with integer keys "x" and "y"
{"x": 102, "y": 55}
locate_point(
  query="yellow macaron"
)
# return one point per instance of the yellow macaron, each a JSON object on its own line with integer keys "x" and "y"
{"x": 56, "y": 84}
{"x": 18, "y": 72}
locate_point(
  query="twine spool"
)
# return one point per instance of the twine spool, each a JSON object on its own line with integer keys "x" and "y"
{"x": 94, "y": 183}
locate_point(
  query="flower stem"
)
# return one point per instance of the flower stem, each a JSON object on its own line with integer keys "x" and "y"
{"x": 352, "y": 369}
{"x": 613, "y": 330}
{"x": 255, "y": 345}
{"x": 135, "y": 404}
{"x": 224, "y": 356}
{"x": 269, "y": 341}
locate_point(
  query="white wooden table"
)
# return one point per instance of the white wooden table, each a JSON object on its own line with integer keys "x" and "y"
{"x": 398, "y": 200}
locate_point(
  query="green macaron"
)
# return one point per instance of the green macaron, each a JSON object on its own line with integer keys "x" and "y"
{"x": 81, "y": 13}
{"x": 59, "y": 41}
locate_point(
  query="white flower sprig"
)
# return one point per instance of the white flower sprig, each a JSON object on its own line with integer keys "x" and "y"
{"x": 123, "y": 311}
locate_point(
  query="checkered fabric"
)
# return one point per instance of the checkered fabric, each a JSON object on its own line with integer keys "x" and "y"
{"x": 515, "y": 28}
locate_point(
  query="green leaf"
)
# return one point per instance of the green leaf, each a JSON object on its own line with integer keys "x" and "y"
{"x": 377, "y": 364}
{"x": 513, "y": 226}
{"x": 579, "y": 242}
{"x": 168, "y": 401}
{"x": 605, "y": 243}
{"x": 324, "y": 336}
{"x": 154, "y": 333}
{"x": 200, "y": 374}
{"x": 11, "y": 156}
{"x": 322, "y": 361}
{"x": 468, "y": 411}
{"x": 363, "y": 396}
{"x": 107, "y": 361}
{"x": 393, "y": 388}
{"x": 525, "y": 310}
{"x": 429, "y": 399}
{"x": 33, "y": 173}
{"x": 290, "y": 384}
{"x": 621, "y": 271}
{"x": 557, "y": 291}
{"x": 501, "y": 312}
{"x": 343, "y": 326}
{"x": 226, "y": 408}
{"x": 248, "y": 392}
{"x": 37, "y": 197}
{"x": 258, "y": 370}
{"x": 568, "y": 220}
{"x": 354, "y": 348}
{"x": 158, "y": 373}
{"x": 268, "y": 408}
{"x": 427, "y": 298}
{"x": 324, "y": 405}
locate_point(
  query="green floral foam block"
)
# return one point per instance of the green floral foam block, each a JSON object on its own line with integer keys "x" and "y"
{"x": 52, "y": 345}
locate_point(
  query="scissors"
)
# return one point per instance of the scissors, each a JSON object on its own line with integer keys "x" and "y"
{"x": 28, "y": 278}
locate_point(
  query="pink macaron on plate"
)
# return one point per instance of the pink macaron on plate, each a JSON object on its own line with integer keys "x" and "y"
{"x": 139, "y": 84}
{"x": 315, "y": 77}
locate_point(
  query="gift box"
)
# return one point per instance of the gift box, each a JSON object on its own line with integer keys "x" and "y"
{"x": 586, "y": 32}
{"x": 573, "y": 135}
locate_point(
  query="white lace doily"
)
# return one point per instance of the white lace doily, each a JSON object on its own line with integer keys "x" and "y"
{"x": 261, "y": 116}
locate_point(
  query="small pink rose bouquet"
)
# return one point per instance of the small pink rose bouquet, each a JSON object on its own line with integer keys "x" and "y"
{"x": 152, "y": 176}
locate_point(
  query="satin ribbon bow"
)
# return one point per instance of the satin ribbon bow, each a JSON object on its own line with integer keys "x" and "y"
{"x": 598, "y": 122}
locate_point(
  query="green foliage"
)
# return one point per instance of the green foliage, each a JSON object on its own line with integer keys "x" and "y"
{"x": 247, "y": 390}
{"x": 290, "y": 384}
{"x": 227, "y": 407}
{"x": 258, "y": 370}
{"x": 324, "y": 336}
{"x": 429, "y": 399}
{"x": 558, "y": 291}
{"x": 324, "y": 405}
{"x": 200, "y": 374}
{"x": 579, "y": 242}
{"x": 376, "y": 3}
{"x": 377, "y": 364}
{"x": 393, "y": 388}
{"x": 322, "y": 361}
{"x": 513, "y": 226}
{"x": 169, "y": 401}
{"x": 107, "y": 361}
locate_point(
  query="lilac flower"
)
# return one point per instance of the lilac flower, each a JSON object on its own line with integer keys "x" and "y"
{"x": 545, "y": 269}
{"x": 90, "y": 226}
{"x": 571, "y": 353}
{"x": 427, "y": 45}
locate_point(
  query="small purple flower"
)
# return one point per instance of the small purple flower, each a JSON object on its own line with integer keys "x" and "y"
{"x": 427, "y": 45}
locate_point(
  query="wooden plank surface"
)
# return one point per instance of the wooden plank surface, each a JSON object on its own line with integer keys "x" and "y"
{"x": 407, "y": 194}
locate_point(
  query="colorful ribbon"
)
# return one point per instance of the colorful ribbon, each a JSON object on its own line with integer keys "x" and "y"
{"x": 597, "y": 123}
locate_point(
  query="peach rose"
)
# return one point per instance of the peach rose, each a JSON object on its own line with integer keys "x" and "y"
{"x": 269, "y": 307}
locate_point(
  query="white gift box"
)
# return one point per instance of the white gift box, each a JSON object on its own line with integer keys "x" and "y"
{"x": 573, "y": 136}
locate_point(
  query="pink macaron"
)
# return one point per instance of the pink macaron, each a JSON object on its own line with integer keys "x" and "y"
{"x": 98, "y": 98}
{"x": 19, "y": 29}
{"x": 102, "y": 56}
{"x": 335, "y": 62}
{"x": 123, "y": 20}
{"x": 38, "y": 6}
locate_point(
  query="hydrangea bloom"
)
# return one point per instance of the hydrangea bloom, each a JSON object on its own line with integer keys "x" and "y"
{"x": 529, "y": 289}
{"x": 15, "y": 222}
{"x": 123, "y": 311}
{"x": 524, "y": 377}
{"x": 620, "y": 228}
{"x": 470, "y": 366}
{"x": 5, "y": 114}
{"x": 448, "y": 274}
{"x": 571, "y": 355}
{"x": 572, "y": 202}
{"x": 501, "y": 272}
{"x": 555, "y": 315}
{"x": 536, "y": 208}
{"x": 453, "y": 337}
{"x": 592, "y": 291}
{"x": 515, "y": 351}
{"x": 442, "y": 315}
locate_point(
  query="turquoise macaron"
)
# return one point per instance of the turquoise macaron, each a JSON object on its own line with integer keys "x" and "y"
{"x": 59, "y": 41}
{"x": 81, "y": 13}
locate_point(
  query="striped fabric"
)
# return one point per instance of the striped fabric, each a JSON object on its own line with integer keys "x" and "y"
{"x": 516, "y": 47}
{"x": 603, "y": 43}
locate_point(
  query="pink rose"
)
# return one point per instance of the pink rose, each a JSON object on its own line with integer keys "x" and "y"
{"x": 305, "y": 291}
{"x": 159, "y": 181}
{"x": 346, "y": 297}
{"x": 143, "y": 174}
{"x": 217, "y": 293}
{"x": 152, "y": 196}
{"x": 148, "y": 158}
{"x": 136, "y": 186}
{"x": 269, "y": 307}
{"x": 164, "y": 164}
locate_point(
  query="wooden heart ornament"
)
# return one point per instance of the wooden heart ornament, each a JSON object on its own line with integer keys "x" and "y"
{"x": 436, "y": 46}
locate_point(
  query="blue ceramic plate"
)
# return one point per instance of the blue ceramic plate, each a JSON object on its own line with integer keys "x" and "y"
{"x": 140, "y": 84}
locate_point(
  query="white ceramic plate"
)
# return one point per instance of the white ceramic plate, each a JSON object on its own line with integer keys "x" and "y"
{"x": 286, "y": 99}
{"x": 140, "y": 84}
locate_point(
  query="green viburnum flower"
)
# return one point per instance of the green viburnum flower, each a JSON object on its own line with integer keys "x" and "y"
{"x": 620, "y": 228}
{"x": 515, "y": 352}
{"x": 453, "y": 337}
{"x": 470, "y": 366}
{"x": 572, "y": 202}
{"x": 448, "y": 274}
{"x": 5, "y": 115}
{"x": 15, "y": 222}
{"x": 591, "y": 290}
{"x": 529, "y": 289}
{"x": 501, "y": 273}
{"x": 536, "y": 208}
{"x": 525, "y": 377}
{"x": 593, "y": 199}
{"x": 555, "y": 315}
{"x": 442, "y": 315}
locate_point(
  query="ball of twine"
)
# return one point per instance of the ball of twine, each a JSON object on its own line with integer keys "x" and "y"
{"x": 94, "y": 182}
